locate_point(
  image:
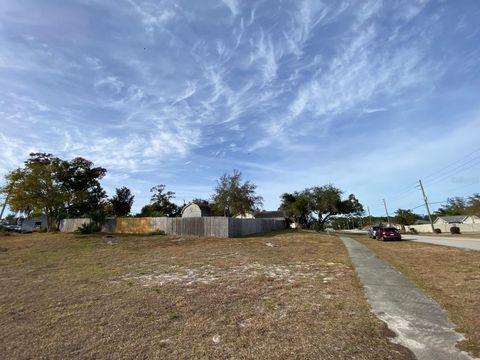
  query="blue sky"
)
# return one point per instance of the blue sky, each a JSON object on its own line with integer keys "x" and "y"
{"x": 367, "y": 95}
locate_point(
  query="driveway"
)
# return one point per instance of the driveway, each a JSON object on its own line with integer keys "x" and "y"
{"x": 459, "y": 242}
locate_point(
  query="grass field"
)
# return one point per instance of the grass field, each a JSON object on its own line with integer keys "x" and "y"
{"x": 285, "y": 295}
{"x": 450, "y": 276}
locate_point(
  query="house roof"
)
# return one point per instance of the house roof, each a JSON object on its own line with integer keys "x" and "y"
{"x": 421, "y": 222}
{"x": 268, "y": 214}
{"x": 453, "y": 219}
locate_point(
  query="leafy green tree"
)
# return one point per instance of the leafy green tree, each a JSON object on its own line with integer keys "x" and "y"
{"x": 326, "y": 201}
{"x": 81, "y": 182}
{"x": 200, "y": 201}
{"x": 295, "y": 206}
{"x": 38, "y": 188}
{"x": 11, "y": 219}
{"x": 473, "y": 205}
{"x": 454, "y": 206}
{"x": 56, "y": 188}
{"x": 406, "y": 217}
{"x": 122, "y": 201}
{"x": 214, "y": 209}
{"x": 233, "y": 197}
{"x": 160, "y": 203}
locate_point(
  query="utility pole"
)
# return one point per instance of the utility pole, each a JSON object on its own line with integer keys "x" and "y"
{"x": 426, "y": 204}
{"x": 386, "y": 212}
{"x": 369, "y": 216}
{"x": 3, "y": 207}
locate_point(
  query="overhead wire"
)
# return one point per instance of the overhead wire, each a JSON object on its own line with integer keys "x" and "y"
{"x": 446, "y": 167}
{"x": 458, "y": 166}
{"x": 457, "y": 169}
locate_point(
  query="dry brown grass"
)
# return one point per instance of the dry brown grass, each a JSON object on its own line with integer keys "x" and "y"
{"x": 286, "y": 295}
{"x": 450, "y": 276}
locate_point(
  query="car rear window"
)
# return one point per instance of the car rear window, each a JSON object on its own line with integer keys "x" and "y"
{"x": 391, "y": 229}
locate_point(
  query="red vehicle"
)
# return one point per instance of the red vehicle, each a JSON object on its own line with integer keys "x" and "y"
{"x": 388, "y": 233}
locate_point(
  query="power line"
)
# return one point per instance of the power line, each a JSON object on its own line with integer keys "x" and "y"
{"x": 446, "y": 168}
{"x": 457, "y": 169}
{"x": 416, "y": 207}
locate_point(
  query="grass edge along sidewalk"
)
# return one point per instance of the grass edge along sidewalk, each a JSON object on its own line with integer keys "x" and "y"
{"x": 450, "y": 276}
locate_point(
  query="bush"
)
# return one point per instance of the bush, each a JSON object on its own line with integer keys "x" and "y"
{"x": 454, "y": 230}
{"x": 89, "y": 228}
{"x": 413, "y": 231}
{"x": 156, "y": 232}
{"x": 437, "y": 231}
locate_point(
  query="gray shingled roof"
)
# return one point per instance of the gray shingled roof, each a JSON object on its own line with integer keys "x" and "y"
{"x": 421, "y": 222}
{"x": 268, "y": 214}
{"x": 453, "y": 219}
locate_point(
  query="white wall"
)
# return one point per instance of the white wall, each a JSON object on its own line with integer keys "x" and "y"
{"x": 445, "y": 228}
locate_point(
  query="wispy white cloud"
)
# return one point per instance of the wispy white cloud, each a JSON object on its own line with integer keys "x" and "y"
{"x": 189, "y": 91}
{"x": 408, "y": 9}
{"x": 154, "y": 15}
{"x": 233, "y": 6}
{"x": 266, "y": 56}
{"x": 110, "y": 82}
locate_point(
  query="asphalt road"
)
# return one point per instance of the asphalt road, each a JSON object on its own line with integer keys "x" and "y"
{"x": 459, "y": 242}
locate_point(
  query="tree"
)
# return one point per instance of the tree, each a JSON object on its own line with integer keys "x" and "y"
{"x": 122, "y": 201}
{"x": 405, "y": 217}
{"x": 50, "y": 186}
{"x": 454, "y": 206}
{"x": 10, "y": 219}
{"x": 81, "y": 181}
{"x": 325, "y": 201}
{"x": 200, "y": 201}
{"x": 473, "y": 205}
{"x": 234, "y": 197}
{"x": 37, "y": 187}
{"x": 295, "y": 207}
{"x": 160, "y": 203}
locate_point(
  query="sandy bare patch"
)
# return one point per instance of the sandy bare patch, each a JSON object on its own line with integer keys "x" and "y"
{"x": 208, "y": 274}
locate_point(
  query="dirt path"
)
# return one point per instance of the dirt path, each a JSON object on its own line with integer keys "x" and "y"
{"x": 419, "y": 323}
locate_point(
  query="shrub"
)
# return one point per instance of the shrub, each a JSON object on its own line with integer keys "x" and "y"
{"x": 156, "y": 232}
{"x": 89, "y": 228}
{"x": 437, "y": 231}
{"x": 454, "y": 230}
{"x": 413, "y": 231}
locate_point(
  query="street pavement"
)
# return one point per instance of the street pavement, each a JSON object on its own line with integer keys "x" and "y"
{"x": 419, "y": 322}
{"x": 459, "y": 242}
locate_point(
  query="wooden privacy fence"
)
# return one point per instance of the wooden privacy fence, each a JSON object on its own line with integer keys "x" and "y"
{"x": 196, "y": 226}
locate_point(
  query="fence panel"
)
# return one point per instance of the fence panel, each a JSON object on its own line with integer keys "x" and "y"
{"x": 196, "y": 226}
{"x": 71, "y": 225}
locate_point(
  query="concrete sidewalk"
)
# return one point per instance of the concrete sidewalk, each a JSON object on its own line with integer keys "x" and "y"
{"x": 419, "y": 323}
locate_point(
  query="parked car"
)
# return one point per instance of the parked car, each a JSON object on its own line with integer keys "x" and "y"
{"x": 16, "y": 228}
{"x": 372, "y": 231}
{"x": 388, "y": 233}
